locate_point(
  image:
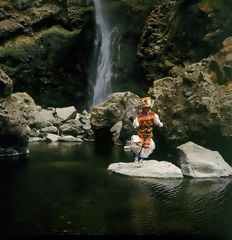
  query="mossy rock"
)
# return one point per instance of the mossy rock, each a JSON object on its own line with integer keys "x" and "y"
{"x": 44, "y": 62}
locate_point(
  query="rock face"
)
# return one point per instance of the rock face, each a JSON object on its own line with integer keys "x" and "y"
{"x": 13, "y": 139}
{"x": 6, "y": 85}
{"x": 182, "y": 31}
{"x": 115, "y": 115}
{"x": 150, "y": 168}
{"x": 45, "y": 48}
{"x": 199, "y": 162}
{"x": 197, "y": 104}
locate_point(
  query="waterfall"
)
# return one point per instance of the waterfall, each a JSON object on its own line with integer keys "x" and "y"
{"x": 104, "y": 38}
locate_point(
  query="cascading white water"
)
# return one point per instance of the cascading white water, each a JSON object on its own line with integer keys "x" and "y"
{"x": 102, "y": 87}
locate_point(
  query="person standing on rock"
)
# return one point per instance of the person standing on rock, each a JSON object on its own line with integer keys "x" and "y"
{"x": 142, "y": 144}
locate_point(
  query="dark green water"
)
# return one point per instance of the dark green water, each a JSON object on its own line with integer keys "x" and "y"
{"x": 66, "y": 189}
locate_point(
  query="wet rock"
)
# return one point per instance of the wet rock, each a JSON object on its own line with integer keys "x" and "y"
{"x": 199, "y": 162}
{"x": 150, "y": 168}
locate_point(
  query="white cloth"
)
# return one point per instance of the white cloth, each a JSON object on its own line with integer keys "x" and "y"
{"x": 156, "y": 121}
{"x": 145, "y": 152}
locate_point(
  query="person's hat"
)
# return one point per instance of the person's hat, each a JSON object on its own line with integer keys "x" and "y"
{"x": 147, "y": 102}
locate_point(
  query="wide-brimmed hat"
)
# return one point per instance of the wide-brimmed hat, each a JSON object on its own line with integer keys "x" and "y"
{"x": 147, "y": 102}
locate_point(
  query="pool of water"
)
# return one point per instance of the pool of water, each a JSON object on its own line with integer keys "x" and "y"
{"x": 66, "y": 189}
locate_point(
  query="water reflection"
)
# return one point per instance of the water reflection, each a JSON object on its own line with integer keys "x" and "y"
{"x": 66, "y": 189}
{"x": 208, "y": 187}
{"x": 166, "y": 184}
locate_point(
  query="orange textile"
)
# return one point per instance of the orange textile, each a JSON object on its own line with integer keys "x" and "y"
{"x": 146, "y": 121}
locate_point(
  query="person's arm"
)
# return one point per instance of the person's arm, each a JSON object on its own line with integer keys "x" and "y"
{"x": 157, "y": 121}
{"x": 136, "y": 123}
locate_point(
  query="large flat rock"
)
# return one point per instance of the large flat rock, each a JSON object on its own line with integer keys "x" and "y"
{"x": 199, "y": 162}
{"x": 150, "y": 168}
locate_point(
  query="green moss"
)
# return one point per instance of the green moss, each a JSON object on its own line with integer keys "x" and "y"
{"x": 56, "y": 32}
{"x": 17, "y": 53}
{"x": 10, "y": 71}
{"x": 56, "y": 41}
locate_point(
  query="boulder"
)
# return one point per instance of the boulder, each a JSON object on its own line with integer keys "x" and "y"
{"x": 199, "y": 162}
{"x": 13, "y": 125}
{"x": 121, "y": 106}
{"x": 150, "y": 168}
{"x": 70, "y": 128}
{"x": 52, "y": 138}
{"x": 51, "y": 129}
{"x": 66, "y": 113}
{"x": 42, "y": 118}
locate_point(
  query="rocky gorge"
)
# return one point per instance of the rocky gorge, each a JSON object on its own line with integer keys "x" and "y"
{"x": 188, "y": 73}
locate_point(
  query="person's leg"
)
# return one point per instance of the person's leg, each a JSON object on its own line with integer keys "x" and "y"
{"x": 136, "y": 158}
{"x": 141, "y": 161}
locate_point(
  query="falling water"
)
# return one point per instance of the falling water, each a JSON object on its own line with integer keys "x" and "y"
{"x": 102, "y": 87}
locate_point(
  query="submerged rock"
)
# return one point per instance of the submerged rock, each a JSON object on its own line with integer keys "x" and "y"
{"x": 150, "y": 168}
{"x": 199, "y": 162}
